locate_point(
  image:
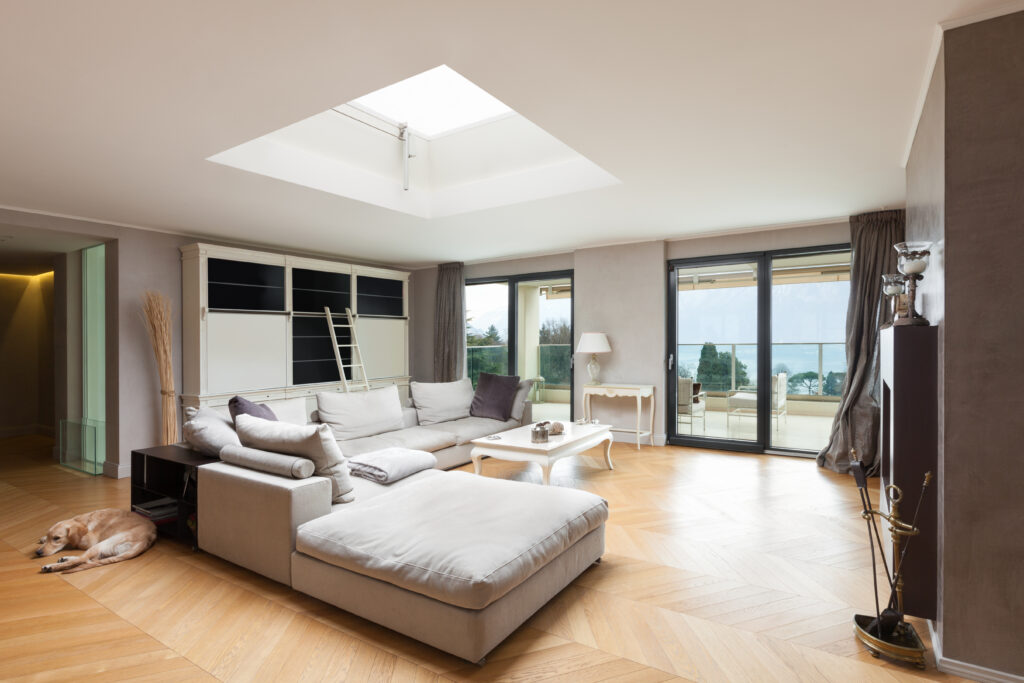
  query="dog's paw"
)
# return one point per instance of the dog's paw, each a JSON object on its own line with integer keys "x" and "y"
{"x": 47, "y": 568}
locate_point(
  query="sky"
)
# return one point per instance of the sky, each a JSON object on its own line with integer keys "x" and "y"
{"x": 487, "y": 305}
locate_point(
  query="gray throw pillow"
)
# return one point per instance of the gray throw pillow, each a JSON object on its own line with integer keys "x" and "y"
{"x": 243, "y": 406}
{"x": 315, "y": 441}
{"x": 519, "y": 404}
{"x": 208, "y": 431}
{"x": 494, "y": 396}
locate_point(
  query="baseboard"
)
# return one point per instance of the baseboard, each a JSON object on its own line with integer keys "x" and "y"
{"x": 26, "y": 430}
{"x": 966, "y": 669}
{"x": 626, "y": 437}
{"x": 116, "y": 470}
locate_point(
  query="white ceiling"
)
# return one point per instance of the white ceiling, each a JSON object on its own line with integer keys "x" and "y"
{"x": 714, "y": 115}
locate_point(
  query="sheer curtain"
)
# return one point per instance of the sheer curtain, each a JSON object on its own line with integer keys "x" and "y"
{"x": 449, "y": 328}
{"x": 856, "y": 424}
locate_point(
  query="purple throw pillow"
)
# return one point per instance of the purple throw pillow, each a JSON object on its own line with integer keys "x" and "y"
{"x": 494, "y": 396}
{"x": 238, "y": 406}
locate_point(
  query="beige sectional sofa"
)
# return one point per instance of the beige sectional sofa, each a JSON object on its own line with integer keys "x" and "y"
{"x": 452, "y": 559}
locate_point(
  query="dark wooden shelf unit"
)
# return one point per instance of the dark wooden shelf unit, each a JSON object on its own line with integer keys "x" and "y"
{"x": 380, "y": 297}
{"x": 169, "y": 471}
{"x": 242, "y": 286}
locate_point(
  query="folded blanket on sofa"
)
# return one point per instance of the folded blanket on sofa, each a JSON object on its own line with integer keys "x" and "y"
{"x": 390, "y": 464}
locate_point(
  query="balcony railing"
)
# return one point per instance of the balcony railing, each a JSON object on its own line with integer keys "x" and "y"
{"x": 812, "y": 369}
{"x": 553, "y": 362}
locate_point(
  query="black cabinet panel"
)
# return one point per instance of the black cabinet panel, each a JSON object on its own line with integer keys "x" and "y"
{"x": 379, "y": 296}
{"x": 236, "y": 285}
{"x": 313, "y": 353}
{"x": 314, "y": 289}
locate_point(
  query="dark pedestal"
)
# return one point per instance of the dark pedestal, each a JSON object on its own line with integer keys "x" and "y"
{"x": 169, "y": 472}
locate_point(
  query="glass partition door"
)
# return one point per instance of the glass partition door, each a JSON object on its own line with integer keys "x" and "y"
{"x": 544, "y": 344}
{"x": 487, "y": 326}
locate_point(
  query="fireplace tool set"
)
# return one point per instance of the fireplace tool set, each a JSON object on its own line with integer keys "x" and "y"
{"x": 887, "y": 631}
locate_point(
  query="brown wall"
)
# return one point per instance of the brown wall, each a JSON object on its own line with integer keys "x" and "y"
{"x": 26, "y": 354}
{"x": 965, "y": 189}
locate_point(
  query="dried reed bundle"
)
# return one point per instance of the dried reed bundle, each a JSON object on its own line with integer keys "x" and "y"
{"x": 156, "y": 309}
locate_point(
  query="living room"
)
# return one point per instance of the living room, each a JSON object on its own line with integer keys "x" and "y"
{"x": 657, "y": 180}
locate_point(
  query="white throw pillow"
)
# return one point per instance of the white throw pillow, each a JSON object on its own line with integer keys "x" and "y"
{"x": 361, "y": 413}
{"x": 315, "y": 442}
{"x": 208, "y": 431}
{"x": 441, "y": 401}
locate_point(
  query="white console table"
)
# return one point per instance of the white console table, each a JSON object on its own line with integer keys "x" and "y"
{"x": 635, "y": 391}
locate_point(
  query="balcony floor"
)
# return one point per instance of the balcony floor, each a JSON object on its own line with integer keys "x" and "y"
{"x": 802, "y": 432}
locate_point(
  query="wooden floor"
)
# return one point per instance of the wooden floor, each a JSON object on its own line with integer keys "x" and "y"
{"x": 719, "y": 567}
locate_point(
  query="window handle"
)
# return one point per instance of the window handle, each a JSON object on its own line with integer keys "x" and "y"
{"x": 671, "y": 360}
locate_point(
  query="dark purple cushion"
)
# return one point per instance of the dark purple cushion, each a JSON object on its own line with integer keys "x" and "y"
{"x": 238, "y": 405}
{"x": 494, "y": 396}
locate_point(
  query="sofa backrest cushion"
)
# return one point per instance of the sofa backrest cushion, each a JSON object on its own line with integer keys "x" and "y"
{"x": 441, "y": 401}
{"x": 519, "y": 403}
{"x": 357, "y": 414}
{"x": 494, "y": 396}
{"x": 315, "y": 442}
{"x": 208, "y": 431}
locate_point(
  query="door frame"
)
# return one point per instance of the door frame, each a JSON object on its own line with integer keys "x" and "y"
{"x": 513, "y": 329}
{"x": 764, "y": 260}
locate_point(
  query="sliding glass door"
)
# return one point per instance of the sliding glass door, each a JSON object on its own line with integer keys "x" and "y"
{"x": 758, "y": 358}
{"x": 522, "y": 325}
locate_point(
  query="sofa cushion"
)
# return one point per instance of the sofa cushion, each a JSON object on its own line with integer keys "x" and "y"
{"x": 494, "y": 396}
{"x": 416, "y": 438}
{"x": 519, "y": 403}
{"x": 441, "y": 401}
{"x": 456, "y": 537}
{"x": 315, "y": 442}
{"x": 469, "y": 428}
{"x": 360, "y": 413}
{"x": 290, "y": 410}
{"x": 208, "y": 431}
{"x": 243, "y": 406}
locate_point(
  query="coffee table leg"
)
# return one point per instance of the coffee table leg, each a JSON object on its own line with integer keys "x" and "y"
{"x": 608, "y": 453}
{"x": 546, "y": 474}
{"x": 477, "y": 467}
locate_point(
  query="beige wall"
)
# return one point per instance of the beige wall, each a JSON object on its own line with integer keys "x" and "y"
{"x": 26, "y": 354}
{"x": 964, "y": 189}
{"x": 619, "y": 290}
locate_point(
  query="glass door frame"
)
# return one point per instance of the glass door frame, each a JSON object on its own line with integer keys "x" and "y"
{"x": 513, "y": 316}
{"x": 764, "y": 260}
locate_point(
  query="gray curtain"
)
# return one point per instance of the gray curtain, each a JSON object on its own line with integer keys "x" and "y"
{"x": 856, "y": 424}
{"x": 449, "y": 328}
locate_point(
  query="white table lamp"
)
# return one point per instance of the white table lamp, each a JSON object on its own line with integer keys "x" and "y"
{"x": 593, "y": 343}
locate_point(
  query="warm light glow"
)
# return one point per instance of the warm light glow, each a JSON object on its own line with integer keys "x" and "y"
{"x": 433, "y": 103}
{"x": 28, "y": 277}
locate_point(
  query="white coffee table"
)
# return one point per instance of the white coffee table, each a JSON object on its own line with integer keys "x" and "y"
{"x": 515, "y": 445}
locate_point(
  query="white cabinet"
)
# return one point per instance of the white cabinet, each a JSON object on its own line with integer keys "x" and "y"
{"x": 253, "y": 323}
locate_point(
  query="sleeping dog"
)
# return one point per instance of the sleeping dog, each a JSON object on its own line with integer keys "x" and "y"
{"x": 106, "y": 536}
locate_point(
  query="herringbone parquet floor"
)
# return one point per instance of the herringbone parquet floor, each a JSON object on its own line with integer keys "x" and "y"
{"x": 719, "y": 567}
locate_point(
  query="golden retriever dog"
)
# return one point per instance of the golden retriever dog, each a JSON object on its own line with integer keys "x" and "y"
{"x": 106, "y": 536}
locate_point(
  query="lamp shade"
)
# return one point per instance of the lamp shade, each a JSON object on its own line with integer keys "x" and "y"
{"x": 593, "y": 342}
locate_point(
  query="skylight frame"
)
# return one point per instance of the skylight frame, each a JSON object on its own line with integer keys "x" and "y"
{"x": 444, "y": 75}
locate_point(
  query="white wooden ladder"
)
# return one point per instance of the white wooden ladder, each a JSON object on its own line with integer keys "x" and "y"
{"x": 355, "y": 357}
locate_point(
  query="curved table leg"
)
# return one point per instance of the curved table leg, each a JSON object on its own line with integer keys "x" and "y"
{"x": 608, "y": 452}
{"x": 639, "y": 412}
{"x": 477, "y": 460}
{"x": 546, "y": 474}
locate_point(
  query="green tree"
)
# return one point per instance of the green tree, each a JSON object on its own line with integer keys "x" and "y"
{"x": 834, "y": 384}
{"x": 492, "y": 337}
{"x": 804, "y": 383}
{"x": 555, "y": 332}
{"x": 714, "y": 370}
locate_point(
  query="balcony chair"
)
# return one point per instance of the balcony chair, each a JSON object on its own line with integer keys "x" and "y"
{"x": 743, "y": 401}
{"x": 691, "y": 403}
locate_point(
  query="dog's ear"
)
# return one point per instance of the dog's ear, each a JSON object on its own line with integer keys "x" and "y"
{"x": 72, "y": 534}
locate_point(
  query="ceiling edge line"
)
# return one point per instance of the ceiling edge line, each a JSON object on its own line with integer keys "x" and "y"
{"x": 922, "y": 93}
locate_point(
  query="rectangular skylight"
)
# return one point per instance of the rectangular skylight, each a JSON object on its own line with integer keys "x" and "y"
{"x": 433, "y": 103}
